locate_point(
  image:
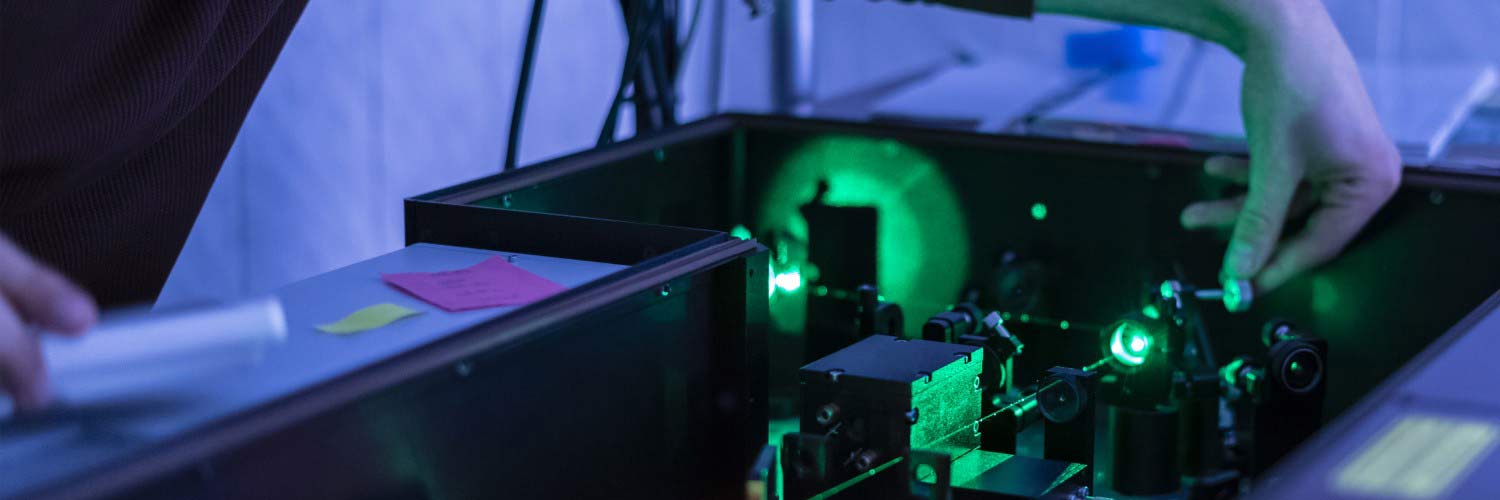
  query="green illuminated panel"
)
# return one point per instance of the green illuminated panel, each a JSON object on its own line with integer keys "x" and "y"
{"x": 922, "y": 239}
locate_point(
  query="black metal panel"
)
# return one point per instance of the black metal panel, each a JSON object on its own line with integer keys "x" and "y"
{"x": 1112, "y": 229}
{"x": 623, "y": 401}
{"x": 570, "y": 237}
{"x": 626, "y": 370}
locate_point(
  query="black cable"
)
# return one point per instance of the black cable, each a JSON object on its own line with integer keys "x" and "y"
{"x": 651, "y": 110}
{"x": 687, "y": 42}
{"x": 646, "y": 94}
{"x": 643, "y": 22}
{"x": 665, "y": 88}
{"x": 523, "y": 84}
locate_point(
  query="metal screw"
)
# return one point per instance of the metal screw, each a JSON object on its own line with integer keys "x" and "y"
{"x": 978, "y": 385}
{"x": 505, "y": 201}
{"x": 666, "y": 290}
{"x": 464, "y": 368}
{"x": 911, "y": 416}
{"x": 1236, "y": 295}
{"x": 865, "y": 460}
{"x": 833, "y": 375}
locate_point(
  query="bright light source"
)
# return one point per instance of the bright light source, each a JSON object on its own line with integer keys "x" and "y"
{"x": 1130, "y": 343}
{"x": 740, "y": 232}
{"x": 789, "y": 281}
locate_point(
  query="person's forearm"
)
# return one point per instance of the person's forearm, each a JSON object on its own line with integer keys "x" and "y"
{"x": 1235, "y": 24}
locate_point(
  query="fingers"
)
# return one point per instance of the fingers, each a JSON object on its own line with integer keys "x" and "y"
{"x": 1222, "y": 214}
{"x": 1257, "y": 228}
{"x": 1348, "y": 205}
{"x": 1230, "y": 168}
{"x": 1328, "y": 230}
{"x": 42, "y": 297}
{"x": 21, "y": 372}
{"x": 1212, "y": 214}
{"x": 33, "y": 295}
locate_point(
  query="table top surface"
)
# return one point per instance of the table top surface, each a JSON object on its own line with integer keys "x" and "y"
{"x": 44, "y": 449}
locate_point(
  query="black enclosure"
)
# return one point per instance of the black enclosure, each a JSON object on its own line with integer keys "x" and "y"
{"x": 1099, "y": 220}
{"x": 645, "y": 383}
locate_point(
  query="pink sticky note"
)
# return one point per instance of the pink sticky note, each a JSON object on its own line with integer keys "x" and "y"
{"x": 491, "y": 283}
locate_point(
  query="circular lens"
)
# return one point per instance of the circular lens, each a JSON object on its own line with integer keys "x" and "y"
{"x": 1060, "y": 399}
{"x": 1302, "y": 370}
{"x": 1129, "y": 343}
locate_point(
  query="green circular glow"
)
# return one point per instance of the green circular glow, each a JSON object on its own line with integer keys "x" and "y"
{"x": 789, "y": 281}
{"x": 1129, "y": 344}
{"x": 1038, "y": 211}
{"x": 922, "y": 243}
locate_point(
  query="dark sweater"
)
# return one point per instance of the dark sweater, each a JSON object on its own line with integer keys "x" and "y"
{"x": 115, "y": 116}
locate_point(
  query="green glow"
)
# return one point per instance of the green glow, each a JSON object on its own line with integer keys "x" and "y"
{"x": 1166, "y": 290}
{"x": 740, "y": 232}
{"x": 1233, "y": 301}
{"x": 922, "y": 246}
{"x": 1151, "y": 312}
{"x": 1231, "y": 370}
{"x": 789, "y": 281}
{"x": 1296, "y": 367}
{"x": 1130, "y": 343}
{"x": 1038, "y": 211}
{"x": 1025, "y": 318}
{"x": 820, "y": 291}
{"x": 1063, "y": 324}
{"x": 771, "y": 280}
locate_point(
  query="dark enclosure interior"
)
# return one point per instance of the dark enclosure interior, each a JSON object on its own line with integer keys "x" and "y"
{"x": 1096, "y": 226}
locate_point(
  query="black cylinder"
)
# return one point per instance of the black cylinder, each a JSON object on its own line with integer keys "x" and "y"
{"x": 1202, "y": 448}
{"x": 1143, "y": 460}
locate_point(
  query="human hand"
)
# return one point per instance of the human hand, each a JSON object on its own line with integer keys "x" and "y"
{"x": 1316, "y": 148}
{"x": 34, "y": 296}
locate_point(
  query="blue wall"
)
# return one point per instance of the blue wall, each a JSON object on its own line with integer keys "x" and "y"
{"x": 373, "y": 101}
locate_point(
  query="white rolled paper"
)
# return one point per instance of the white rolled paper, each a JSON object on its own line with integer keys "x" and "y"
{"x": 136, "y": 353}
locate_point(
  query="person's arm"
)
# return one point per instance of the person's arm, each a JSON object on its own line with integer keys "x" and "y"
{"x": 33, "y": 296}
{"x": 1316, "y": 145}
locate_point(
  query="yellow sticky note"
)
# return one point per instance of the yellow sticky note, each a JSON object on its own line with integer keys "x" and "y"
{"x": 368, "y": 318}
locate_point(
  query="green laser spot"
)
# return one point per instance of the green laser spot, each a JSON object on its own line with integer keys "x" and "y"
{"x": 1038, "y": 211}
{"x": 740, "y": 232}
{"x": 1129, "y": 344}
